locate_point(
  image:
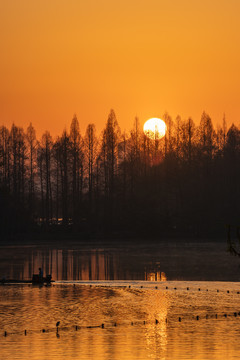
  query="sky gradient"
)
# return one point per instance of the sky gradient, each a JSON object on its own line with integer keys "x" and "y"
{"x": 138, "y": 57}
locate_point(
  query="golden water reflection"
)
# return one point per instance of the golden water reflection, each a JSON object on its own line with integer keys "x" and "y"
{"x": 181, "y": 260}
{"x": 34, "y": 309}
{"x": 84, "y": 264}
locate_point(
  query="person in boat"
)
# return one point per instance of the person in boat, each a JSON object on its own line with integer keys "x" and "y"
{"x": 40, "y": 273}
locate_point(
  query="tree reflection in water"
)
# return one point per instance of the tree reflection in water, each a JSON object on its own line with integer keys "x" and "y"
{"x": 68, "y": 264}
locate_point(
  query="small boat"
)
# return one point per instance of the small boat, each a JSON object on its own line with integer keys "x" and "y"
{"x": 36, "y": 280}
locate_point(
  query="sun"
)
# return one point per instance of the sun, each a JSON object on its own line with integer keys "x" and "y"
{"x": 155, "y": 128}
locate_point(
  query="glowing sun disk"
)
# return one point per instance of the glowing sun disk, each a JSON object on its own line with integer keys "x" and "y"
{"x": 155, "y": 128}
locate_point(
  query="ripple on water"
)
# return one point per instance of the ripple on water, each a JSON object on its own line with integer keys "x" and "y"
{"x": 34, "y": 309}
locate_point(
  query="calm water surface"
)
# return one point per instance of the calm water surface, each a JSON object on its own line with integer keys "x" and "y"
{"x": 178, "y": 260}
{"x": 33, "y": 308}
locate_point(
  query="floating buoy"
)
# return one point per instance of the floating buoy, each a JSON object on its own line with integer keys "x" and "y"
{"x": 216, "y": 316}
{"x": 43, "y": 330}
{"x": 156, "y": 287}
{"x": 199, "y": 289}
{"x": 197, "y": 317}
{"x": 102, "y": 326}
{"x": 166, "y": 287}
{"x": 187, "y": 288}
{"x": 156, "y": 321}
{"x": 76, "y": 327}
{"x": 129, "y": 286}
{"x": 141, "y": 286}
{"x": 115, "y": 324}
{"x": 179, "y": 319}
{"x": 225, "y": 315}
{"x": 235, "y": 314}
{"x": 228, "y": 291}
{"x": 217, "y": 290}
{"x": 206, "y": 316}
{"x": 131, "y": 323}
{"x": 25, "y": 332}
{"x": 5, "y": 333}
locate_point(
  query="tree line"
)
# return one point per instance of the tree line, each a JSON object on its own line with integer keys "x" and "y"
{"x": 118, "y": 183}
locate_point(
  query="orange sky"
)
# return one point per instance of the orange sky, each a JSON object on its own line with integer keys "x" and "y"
{"x": 139, "y": 57}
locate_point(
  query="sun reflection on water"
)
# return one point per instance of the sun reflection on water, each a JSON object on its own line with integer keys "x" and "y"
{"x": 129, "y": 316}
{"x": 156, "y": 334}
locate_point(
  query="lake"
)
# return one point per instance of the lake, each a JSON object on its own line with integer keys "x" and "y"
{"x": 197, "y": 319}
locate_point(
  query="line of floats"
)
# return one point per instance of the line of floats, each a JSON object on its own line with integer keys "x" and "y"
{"x": 47, "y": 280}
{"x": 114, "y": 324}
{"x": 38, "y": 279}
